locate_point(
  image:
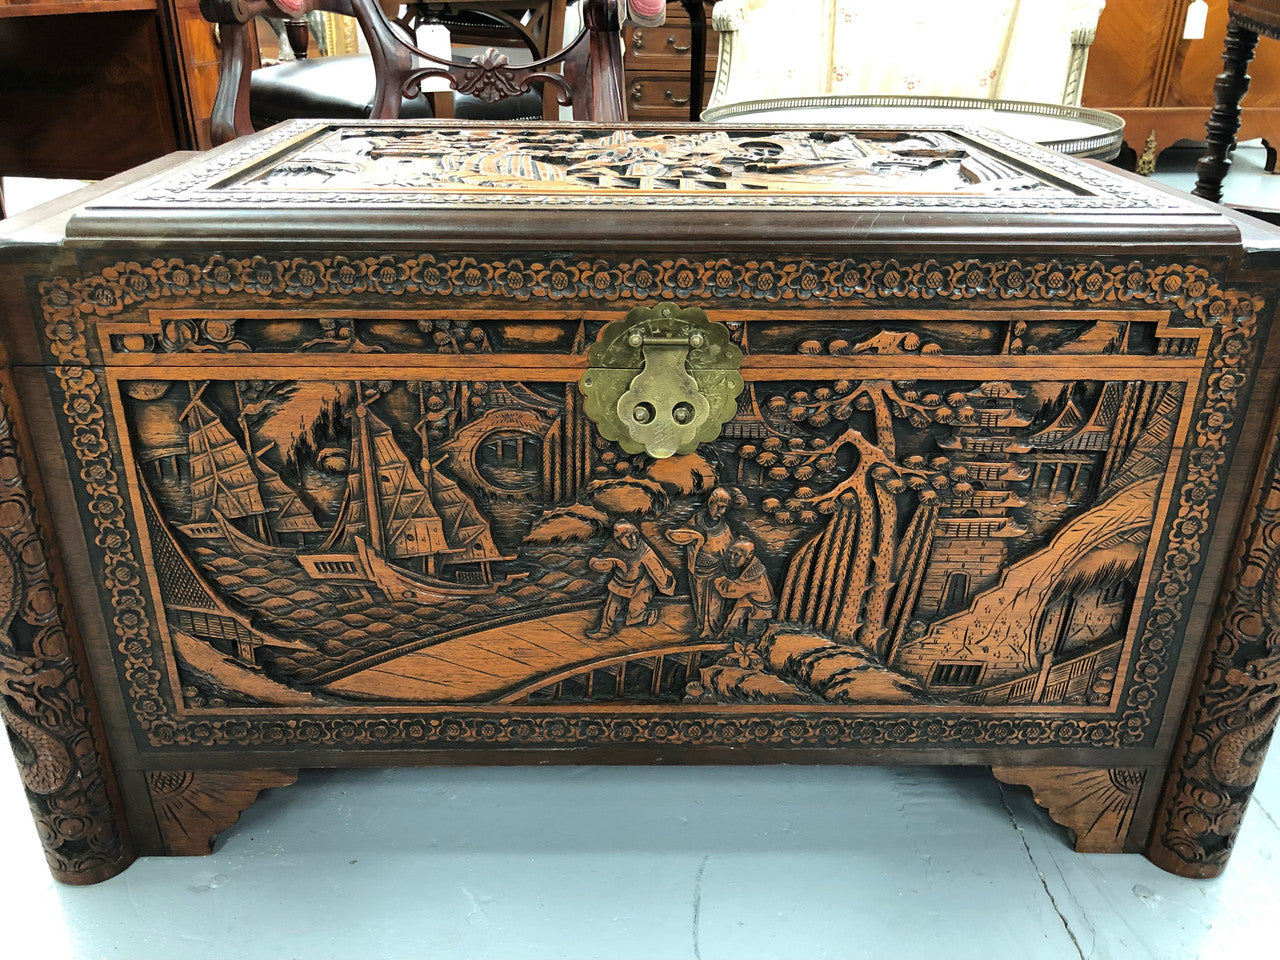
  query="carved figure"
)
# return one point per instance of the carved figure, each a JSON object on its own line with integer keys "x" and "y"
{"x": 706, "y": 540}
{"x": 636, "y": 575}
{"x": 745, "y": 589}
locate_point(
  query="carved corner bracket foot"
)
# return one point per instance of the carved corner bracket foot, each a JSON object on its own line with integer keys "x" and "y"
{"x": 1097, "y": 806}
{"x": 193, "y": 806}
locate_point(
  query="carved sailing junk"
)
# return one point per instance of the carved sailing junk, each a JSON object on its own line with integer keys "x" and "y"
{"x": 392, "y": 512}
{"x": 230, "y": 482}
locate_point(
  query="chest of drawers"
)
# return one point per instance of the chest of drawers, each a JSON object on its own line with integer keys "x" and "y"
{"x": 659, "y": 67}
{"x": 395, "y": 444}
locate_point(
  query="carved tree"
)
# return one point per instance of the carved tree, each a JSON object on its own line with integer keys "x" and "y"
{"x": 841, "y": 581}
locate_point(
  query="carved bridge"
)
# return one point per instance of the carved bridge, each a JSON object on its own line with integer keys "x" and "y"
{"x": 535, "y": 659}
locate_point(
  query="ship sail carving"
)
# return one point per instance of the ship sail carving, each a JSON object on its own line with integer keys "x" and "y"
{"x": 231, "y": 482}
{"x": 410, "y": 525}
{"x": 285, "y": 508}
{"x": 382, "y": 484}
{"x": 466, "y": 528}
{"x": 391, "y": 511}
{"x": 222, "y": 478}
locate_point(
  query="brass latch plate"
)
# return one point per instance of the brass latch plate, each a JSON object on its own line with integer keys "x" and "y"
{"x": 662, "y": 380}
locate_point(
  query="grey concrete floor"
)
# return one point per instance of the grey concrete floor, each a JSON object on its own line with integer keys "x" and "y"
{"x": 646, "y": 863}
{"x": 653, "y": 863}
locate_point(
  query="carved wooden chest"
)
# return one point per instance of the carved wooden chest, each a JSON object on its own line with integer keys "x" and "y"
{"x": 402, "y": 444}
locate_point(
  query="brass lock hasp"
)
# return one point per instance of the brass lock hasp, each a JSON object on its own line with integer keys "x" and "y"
{"x": 663, "y": 380}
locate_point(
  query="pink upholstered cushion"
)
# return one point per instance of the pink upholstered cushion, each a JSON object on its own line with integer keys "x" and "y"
{"x": 648, "y": 11}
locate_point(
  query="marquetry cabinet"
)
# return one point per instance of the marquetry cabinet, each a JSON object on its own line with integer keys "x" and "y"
{"x": 406, "y": 443}
{"x": 1142, "y": 69}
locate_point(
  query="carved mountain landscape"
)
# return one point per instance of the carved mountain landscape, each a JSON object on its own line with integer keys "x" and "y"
{"x": 971, "y": 544}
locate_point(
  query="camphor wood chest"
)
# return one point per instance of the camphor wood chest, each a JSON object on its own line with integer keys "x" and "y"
{"x": 347, "y": 445}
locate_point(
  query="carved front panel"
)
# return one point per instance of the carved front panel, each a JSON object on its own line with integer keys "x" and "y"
{"x": 960, "y": 503}
{"x": 847, "y": 541}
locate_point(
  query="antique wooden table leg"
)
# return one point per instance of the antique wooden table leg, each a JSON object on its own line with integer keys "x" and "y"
{"x": 46, "y": 699}
{"x": 1224, "y": 122}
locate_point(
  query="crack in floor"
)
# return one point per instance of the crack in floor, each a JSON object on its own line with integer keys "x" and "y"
{"x": 1053, "y": 902}
{"x": 697, "y": 908}
{"x": 1265, "y": 812}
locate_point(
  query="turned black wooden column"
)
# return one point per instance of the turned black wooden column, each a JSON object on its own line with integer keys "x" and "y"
{"x": 698, "y": 43}
{"x": 1229, "y": 89}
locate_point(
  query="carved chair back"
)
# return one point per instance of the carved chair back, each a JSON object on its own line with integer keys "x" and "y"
{"x": 488, "y": 23}
{"x": 586, "y": 74}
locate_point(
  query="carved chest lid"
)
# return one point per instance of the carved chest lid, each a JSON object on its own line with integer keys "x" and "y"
{"x": 677, "y": 187}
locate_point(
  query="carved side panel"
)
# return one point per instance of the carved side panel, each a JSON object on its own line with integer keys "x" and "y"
{"x": 193, "y": 806}
{"x": 1097, "y": 806}
{"x": 1235, "y": 704}
{"x": 45, "y": 702}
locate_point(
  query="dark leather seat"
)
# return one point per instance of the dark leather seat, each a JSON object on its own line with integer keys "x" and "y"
{"x": 342, "y": 88}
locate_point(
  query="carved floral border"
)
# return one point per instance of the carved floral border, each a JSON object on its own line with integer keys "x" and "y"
{"x": 1222, "y": 745}
{"x": 69, "y": 305}
{"x": 44, "y": 701}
